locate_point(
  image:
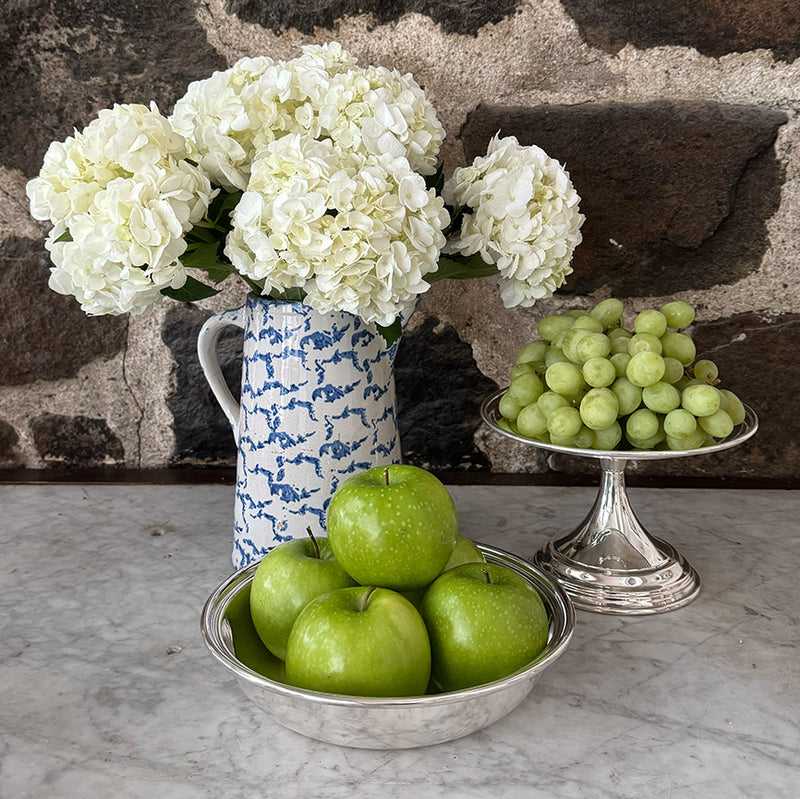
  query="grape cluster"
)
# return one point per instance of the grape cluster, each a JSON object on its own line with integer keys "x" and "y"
{"x": 589, "y": 382}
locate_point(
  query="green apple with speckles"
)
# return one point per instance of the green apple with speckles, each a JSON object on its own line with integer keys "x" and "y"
{"x": 286, "y": 580}
{"x": 362, "y": 641}
{"x": 393, "y": 526}
{"x": 465, "y": 551}
{"x": 485, "y": 622}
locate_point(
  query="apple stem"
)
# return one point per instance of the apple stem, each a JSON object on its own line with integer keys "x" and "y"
{"x": 314, "y": 542}
{"x": 386, "y": 475}
{"x": 365, "y": 598}
{"x": 486, "y": 574}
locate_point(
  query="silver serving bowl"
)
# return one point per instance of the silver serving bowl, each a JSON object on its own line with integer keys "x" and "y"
{"x": 372, "y": 722}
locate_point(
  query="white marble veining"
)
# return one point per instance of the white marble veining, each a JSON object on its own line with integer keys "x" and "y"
{"x": 107, "y": 690}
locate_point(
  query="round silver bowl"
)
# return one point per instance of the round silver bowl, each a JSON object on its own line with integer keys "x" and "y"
{"x": 610, "y": 563}
{"x": 367, "y": 722}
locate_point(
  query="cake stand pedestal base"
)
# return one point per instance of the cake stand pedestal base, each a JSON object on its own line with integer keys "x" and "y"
{"x": 610, "y": 564}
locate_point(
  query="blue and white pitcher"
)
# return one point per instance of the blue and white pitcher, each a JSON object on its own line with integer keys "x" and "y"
{"x": 317, "y": 405}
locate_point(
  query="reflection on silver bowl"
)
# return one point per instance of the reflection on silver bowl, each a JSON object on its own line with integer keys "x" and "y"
{"x": 368, "y": 722}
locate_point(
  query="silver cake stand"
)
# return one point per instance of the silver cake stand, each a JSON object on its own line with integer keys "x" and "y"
{"x": 610, "y": 563}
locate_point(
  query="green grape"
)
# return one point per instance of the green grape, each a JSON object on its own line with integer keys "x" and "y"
{"x": 678, "y": 345}
{"x": 645, "y": 368}
{"x": 548, "y": 327}
{"x": 608, "y": 312}
{"x": 594, "y": 345}
{"x": 570, "y": 342}
{"x": 619, "y": 332}
{"x": 678, "y": 314}
{"x": 504, "y": 425}
{"x": 532, "y": 353}
{"x": 695, "y": 440}
{"x": 645, "y": 443}
{"x": 732, "y": 405}
{"x": 564, "y": 423}
{"x": 620, "y": 360}
{"x": 644, "y": 342}
{"x": 558, "y": 341}
{"x": 509, "y": 407}
{"x": 652, "y": 322}
{"x": 661, "y": 397}
{"x": 679, "y": 423}
{"x": 673, "y": 370}
{"x": 549, "y": 401}
{"x": 706, "y": 370}
{"x": 573, "y": 313}
{"x": 526, "y": 388}
{"x": 599, "y": 408}
{"x": 554, "y": 355}
{"x": 584, "y": 438}
{"x": 700, "y": 399}
{"x": 629, "y": 396}
{"x": 566, "y": 441}
{"x": 719, "y": 424}
{"x": 588, "y": 322}
{"x": 564, "y": 378}
{"x": 532, "y": 421}
{"x": 522, "y": 369}
{"x": 619, "y": 344}
{"x": 599, "y": 372}
{"x": 607, "y": 438}
{"x": 642, "y": 424}
{"x": 687, "y": 381}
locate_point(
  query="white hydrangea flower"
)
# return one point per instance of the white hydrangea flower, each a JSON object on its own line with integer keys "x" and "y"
{"x": 121, "y": 141}
{"x": 522, "y": 215}
{"x": 231, "y": 116}
{"x": 379, "y": 111}
{"x": 121, "y": 198}
{"x": 358, "y": 235}
{"x": 215, "y": 118}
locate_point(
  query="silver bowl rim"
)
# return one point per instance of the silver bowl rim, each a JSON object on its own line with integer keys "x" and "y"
{"x": 559, "y": 606}
{"x": 747, "y": 429}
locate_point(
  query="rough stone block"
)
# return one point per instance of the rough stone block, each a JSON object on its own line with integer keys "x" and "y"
{"x": 712, "y": 27}
{"x": 676, "y": 194}
{"x": 46, "y": 336}
{"x": 9, "y": 454}
{"x": 202, "y": 433}
{"x": 63, "y": 62}
{"x": 439, "y": 392}
{"x": 75, "y": 441}
{"x": 455, "y": 16}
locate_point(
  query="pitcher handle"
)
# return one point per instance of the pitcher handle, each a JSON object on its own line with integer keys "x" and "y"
{"x": 209, "y": 361}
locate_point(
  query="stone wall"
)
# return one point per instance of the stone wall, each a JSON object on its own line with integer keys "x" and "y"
{"x": 679, "y": 126}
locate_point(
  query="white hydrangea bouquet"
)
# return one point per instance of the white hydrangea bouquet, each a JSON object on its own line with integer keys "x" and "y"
{"x": 312, "y": 179}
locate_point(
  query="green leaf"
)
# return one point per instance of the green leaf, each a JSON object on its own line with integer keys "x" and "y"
{"x": 65, "y": 236}
{"x": 191, "y": 291}
{"x": 200, "y": 256}
{"x": 391, "y": 333}
{"x": 436, "y": 180}
{"x": 295, "y": 294}
{"x": 461, "y": 268}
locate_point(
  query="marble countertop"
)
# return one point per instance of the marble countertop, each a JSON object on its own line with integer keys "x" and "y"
{"x": 107, "y": 690}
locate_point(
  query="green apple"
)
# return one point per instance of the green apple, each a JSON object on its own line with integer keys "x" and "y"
{"x": 247, "y": 644}
{"x": 286, "y": 580}
{"x": 485, "y": 622}
{"x": 466, "y": 551}
{"x": 362, "y": 641}
{"x": 393, "y": 526}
